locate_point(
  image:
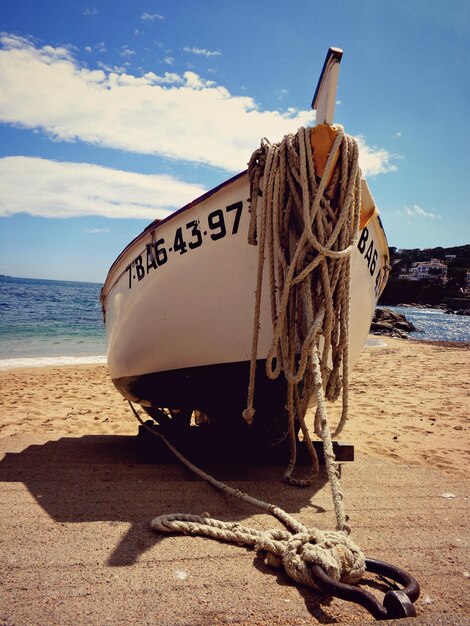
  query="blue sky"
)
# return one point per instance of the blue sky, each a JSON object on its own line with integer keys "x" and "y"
{"x": 113, "y": 113}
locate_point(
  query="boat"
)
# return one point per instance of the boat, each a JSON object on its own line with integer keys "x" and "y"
{"x": 178, "y": 305}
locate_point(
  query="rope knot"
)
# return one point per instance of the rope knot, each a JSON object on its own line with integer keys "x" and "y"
{"x": 340, "y": 558}
{"x": 333, "y": 551}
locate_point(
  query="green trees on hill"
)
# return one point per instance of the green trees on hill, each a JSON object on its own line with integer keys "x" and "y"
{"x": 426, "y": 291}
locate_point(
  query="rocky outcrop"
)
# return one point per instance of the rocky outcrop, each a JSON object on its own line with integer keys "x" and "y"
{"x": 457, "y": 305}
{"x": 458, "y": 312}
{"x": 392, "y": 324}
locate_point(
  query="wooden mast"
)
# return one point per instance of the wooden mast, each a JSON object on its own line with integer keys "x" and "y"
{"x": 325, "y": 94}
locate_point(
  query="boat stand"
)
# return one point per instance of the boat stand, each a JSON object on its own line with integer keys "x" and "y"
{"x": 201, "y": 444}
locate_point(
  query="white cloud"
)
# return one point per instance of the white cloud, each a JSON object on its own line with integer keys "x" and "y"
{"x": 126, "y": 51}
{"x": 151, "y": 17}
{"x": 90, "y": 11}
{"x": 417, "y": 211}
{"x": 203, "y": 52}
{"x": 374, "y": 160}
{"x": 118, "y": 69}
{"x": 169, "y": 78}
{"x": 97, "y": 231}
{"x": 176, "y": 116}
{"x": 56, "y": 189}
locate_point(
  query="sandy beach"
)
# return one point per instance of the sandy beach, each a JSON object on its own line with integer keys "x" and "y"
{"x": 410, "y": 403}
{"x": 76, "y": 505}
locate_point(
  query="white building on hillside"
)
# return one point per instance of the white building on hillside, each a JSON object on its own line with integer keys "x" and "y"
{"x": 433, "y": 269}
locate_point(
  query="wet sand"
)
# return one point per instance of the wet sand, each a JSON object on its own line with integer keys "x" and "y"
{"x": 76, "y": 504}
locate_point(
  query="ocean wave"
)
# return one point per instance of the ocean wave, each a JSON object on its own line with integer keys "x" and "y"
{"x": 45, "y": 361}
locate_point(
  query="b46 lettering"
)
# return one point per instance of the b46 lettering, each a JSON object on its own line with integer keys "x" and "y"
{"x": 188, "y": 237}
{"x": 368, "y": 250}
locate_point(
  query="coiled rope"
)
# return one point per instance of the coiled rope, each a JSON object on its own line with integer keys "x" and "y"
{"x": 310, "y": 318}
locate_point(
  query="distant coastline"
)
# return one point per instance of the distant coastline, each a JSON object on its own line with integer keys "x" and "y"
{"x": 438, "y": 277}
{"x": 7, "y": 278}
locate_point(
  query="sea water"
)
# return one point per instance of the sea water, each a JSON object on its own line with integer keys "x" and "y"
{"x": 49, "y": 322}
{"x": 435, "y": 324}
{"x": 45, "y": 322}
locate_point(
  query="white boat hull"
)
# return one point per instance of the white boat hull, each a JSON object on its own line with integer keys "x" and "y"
{"x": 179, "y": 302}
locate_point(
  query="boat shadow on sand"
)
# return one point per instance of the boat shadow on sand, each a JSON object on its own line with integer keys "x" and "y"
{"x": 102, "y": 478}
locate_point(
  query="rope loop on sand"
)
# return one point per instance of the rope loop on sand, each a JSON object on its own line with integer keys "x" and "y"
{"x": 333, "y": 551}
{"x": 296, "y": 547}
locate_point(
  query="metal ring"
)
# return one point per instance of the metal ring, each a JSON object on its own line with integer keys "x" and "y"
{"x": 397, "y": 603}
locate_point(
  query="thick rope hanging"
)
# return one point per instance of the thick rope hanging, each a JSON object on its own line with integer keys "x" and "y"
{"x": 306, "y": 229}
